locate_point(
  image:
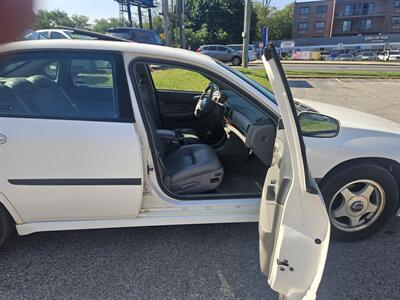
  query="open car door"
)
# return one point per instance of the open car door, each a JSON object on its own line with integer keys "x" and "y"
{"x": 294, "y": 226}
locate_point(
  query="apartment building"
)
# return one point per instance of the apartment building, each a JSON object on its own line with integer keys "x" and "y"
{"x": 329, "y": 18}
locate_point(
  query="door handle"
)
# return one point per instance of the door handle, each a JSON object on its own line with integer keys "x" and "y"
{"x": 3, "y": 139}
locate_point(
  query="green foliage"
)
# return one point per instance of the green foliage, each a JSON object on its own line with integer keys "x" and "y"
{"x": 81, "y": 22}
{"x": 101, "y": 25}
{"x": 279, "y": 21}
{"x": 215, "y": 21}
{"x": 49, "y": 19}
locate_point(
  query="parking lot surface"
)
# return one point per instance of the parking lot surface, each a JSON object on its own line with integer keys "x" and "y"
{"x": 379, "y": 97}
{"x": 201, "y": 261}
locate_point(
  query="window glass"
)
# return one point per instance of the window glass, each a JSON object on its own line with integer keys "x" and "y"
{"x": 57, "y": 35}
{"x": 92, "y": 73}
{"x": 177, "y": 79}
{"x": 44, "y": 34}
{"x": 236, "y": 47}
{"x": 396, "y": 3}
{"x": 303, "y": 27}
{"x": 304, "y": 10}
{"x": 349, "y": 9}
{"x": 58, "y": 85}
{"x": 320, "y": 26}
{"x": 368, "y": 9}
{"x": 212, "y": 48}
{"x": 322, "y": 9}
{"x": 52, "y": 70}
{"x": 366, "y": 24}
{"x": 346, "y": 26}
{"x": 223, "y": 49}
{"x": 396, "y": 20}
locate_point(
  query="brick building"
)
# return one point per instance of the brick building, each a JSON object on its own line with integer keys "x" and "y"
{"x": 329, "y": 18}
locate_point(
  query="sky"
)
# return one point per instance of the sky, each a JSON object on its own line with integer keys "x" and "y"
{"x": 96, "y": 9}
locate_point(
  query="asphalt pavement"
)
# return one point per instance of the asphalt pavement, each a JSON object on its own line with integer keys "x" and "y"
{"x": 201, "y": 261}
{"x": 298, "y": 66}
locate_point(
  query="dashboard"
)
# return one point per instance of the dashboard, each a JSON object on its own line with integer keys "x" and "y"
{"x": 252, "y": 125}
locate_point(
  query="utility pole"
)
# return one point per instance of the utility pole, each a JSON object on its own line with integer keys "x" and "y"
{"x": 140, "y": 16}
{"x": 150, "y": 18}
{"x": 128, "y": 9}
{"x": 165, "y": 13}
{"x": 180, "y": 11}
{"x": 246, "y": 33}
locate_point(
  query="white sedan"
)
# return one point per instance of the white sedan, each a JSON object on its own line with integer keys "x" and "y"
{"x": 101, "y": 134}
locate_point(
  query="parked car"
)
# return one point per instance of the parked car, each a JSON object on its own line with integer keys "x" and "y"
{"x": 121, "y": 140}
{"x": 221, "y": 53}
{"x": 63, "y": 33}
{"x": 367, "y": 56}
{"x": 136, "y": 35}
{"x": 239, "y": 48}
{"x": 345, "y": 57}
{"x": 389, "y": 55}
{"x": 29, "y": 35}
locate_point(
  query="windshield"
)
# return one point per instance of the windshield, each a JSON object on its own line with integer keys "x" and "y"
{"x": 120, "y": 33}
{"x": 260, "y": 88}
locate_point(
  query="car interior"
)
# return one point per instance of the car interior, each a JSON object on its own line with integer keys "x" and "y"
{"x": 61, "y": 87}
{"x": 210, "y": 143}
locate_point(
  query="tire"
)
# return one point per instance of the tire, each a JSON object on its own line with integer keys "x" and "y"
{"x": 236, "y": 61}
{"x": 7, "y": 225}
{"x": 346, "y": 193}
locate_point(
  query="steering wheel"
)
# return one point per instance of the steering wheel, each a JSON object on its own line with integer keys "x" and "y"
{"x": 205, "y": 103}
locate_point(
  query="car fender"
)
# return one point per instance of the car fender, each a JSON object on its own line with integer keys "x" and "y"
{"x": 11, "y": 209}
{"x": 327, "y": 153}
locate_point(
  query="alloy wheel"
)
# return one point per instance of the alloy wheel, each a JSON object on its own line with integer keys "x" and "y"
{"x": 357, "y": 205}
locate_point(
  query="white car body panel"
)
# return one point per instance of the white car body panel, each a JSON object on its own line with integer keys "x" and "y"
{"x": 157, "y": 208}
{"x": 294, "y": 219}
{"x": 97, "y": 150}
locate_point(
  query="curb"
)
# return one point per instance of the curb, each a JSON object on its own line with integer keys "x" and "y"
{"x": 343, "y": 77}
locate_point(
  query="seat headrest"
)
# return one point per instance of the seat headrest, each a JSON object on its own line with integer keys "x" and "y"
{"x": 20, "y": 85}
{"x": 5, "y": 91}
{"x": 41, "y": 81}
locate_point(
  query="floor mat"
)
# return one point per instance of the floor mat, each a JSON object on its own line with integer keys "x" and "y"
{"x": 240, "y": 184}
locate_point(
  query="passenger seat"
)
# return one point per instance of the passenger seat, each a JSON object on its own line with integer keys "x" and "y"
{"x": 188, "y": 169}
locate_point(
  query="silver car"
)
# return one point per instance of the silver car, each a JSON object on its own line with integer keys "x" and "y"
{"x": 222, "y": 53}
{"x": 239, "y": 48}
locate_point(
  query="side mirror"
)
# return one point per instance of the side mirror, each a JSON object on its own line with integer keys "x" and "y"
{"x": 317, "y": 125}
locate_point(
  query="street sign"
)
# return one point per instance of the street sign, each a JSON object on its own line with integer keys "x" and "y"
{"x": 287, "y": 44}
{"x": 265, "y": 33}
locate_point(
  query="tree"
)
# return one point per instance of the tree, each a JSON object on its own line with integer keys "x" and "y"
{"x": 279, "y": 21}
{"x": 81, "y": 22}
{"x": 49, "y": 19}
{"x": 215, "y": 21}
{"x": 101, "y": 25}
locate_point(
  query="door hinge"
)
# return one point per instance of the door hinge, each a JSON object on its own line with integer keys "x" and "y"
{"x": 149, "y": 169}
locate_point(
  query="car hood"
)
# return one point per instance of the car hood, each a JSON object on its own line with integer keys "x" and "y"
{"x": 352, "y": 118}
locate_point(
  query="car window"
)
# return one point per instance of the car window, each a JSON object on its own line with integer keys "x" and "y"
{"x": 223, "y": 49}
{"x": 57, "y": 35}
{"x": 59, "y": 85}
{"x": 52, "y": 70}
{"x": 236, "y": 47}
{"x": 44, "y": 34}
{"x": 212, "y": 48}
{"x": 147, "y": 37}
{"x": 177, "y": 79}
{"x": 91, "y": 73}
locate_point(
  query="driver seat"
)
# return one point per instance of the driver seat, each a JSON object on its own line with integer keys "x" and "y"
{"x": 189, "y": 135}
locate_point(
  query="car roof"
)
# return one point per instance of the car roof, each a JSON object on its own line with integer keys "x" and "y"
{"x": 139, "y": 49}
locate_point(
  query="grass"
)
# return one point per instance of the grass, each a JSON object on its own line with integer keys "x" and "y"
{"x": 178, "y": 79}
